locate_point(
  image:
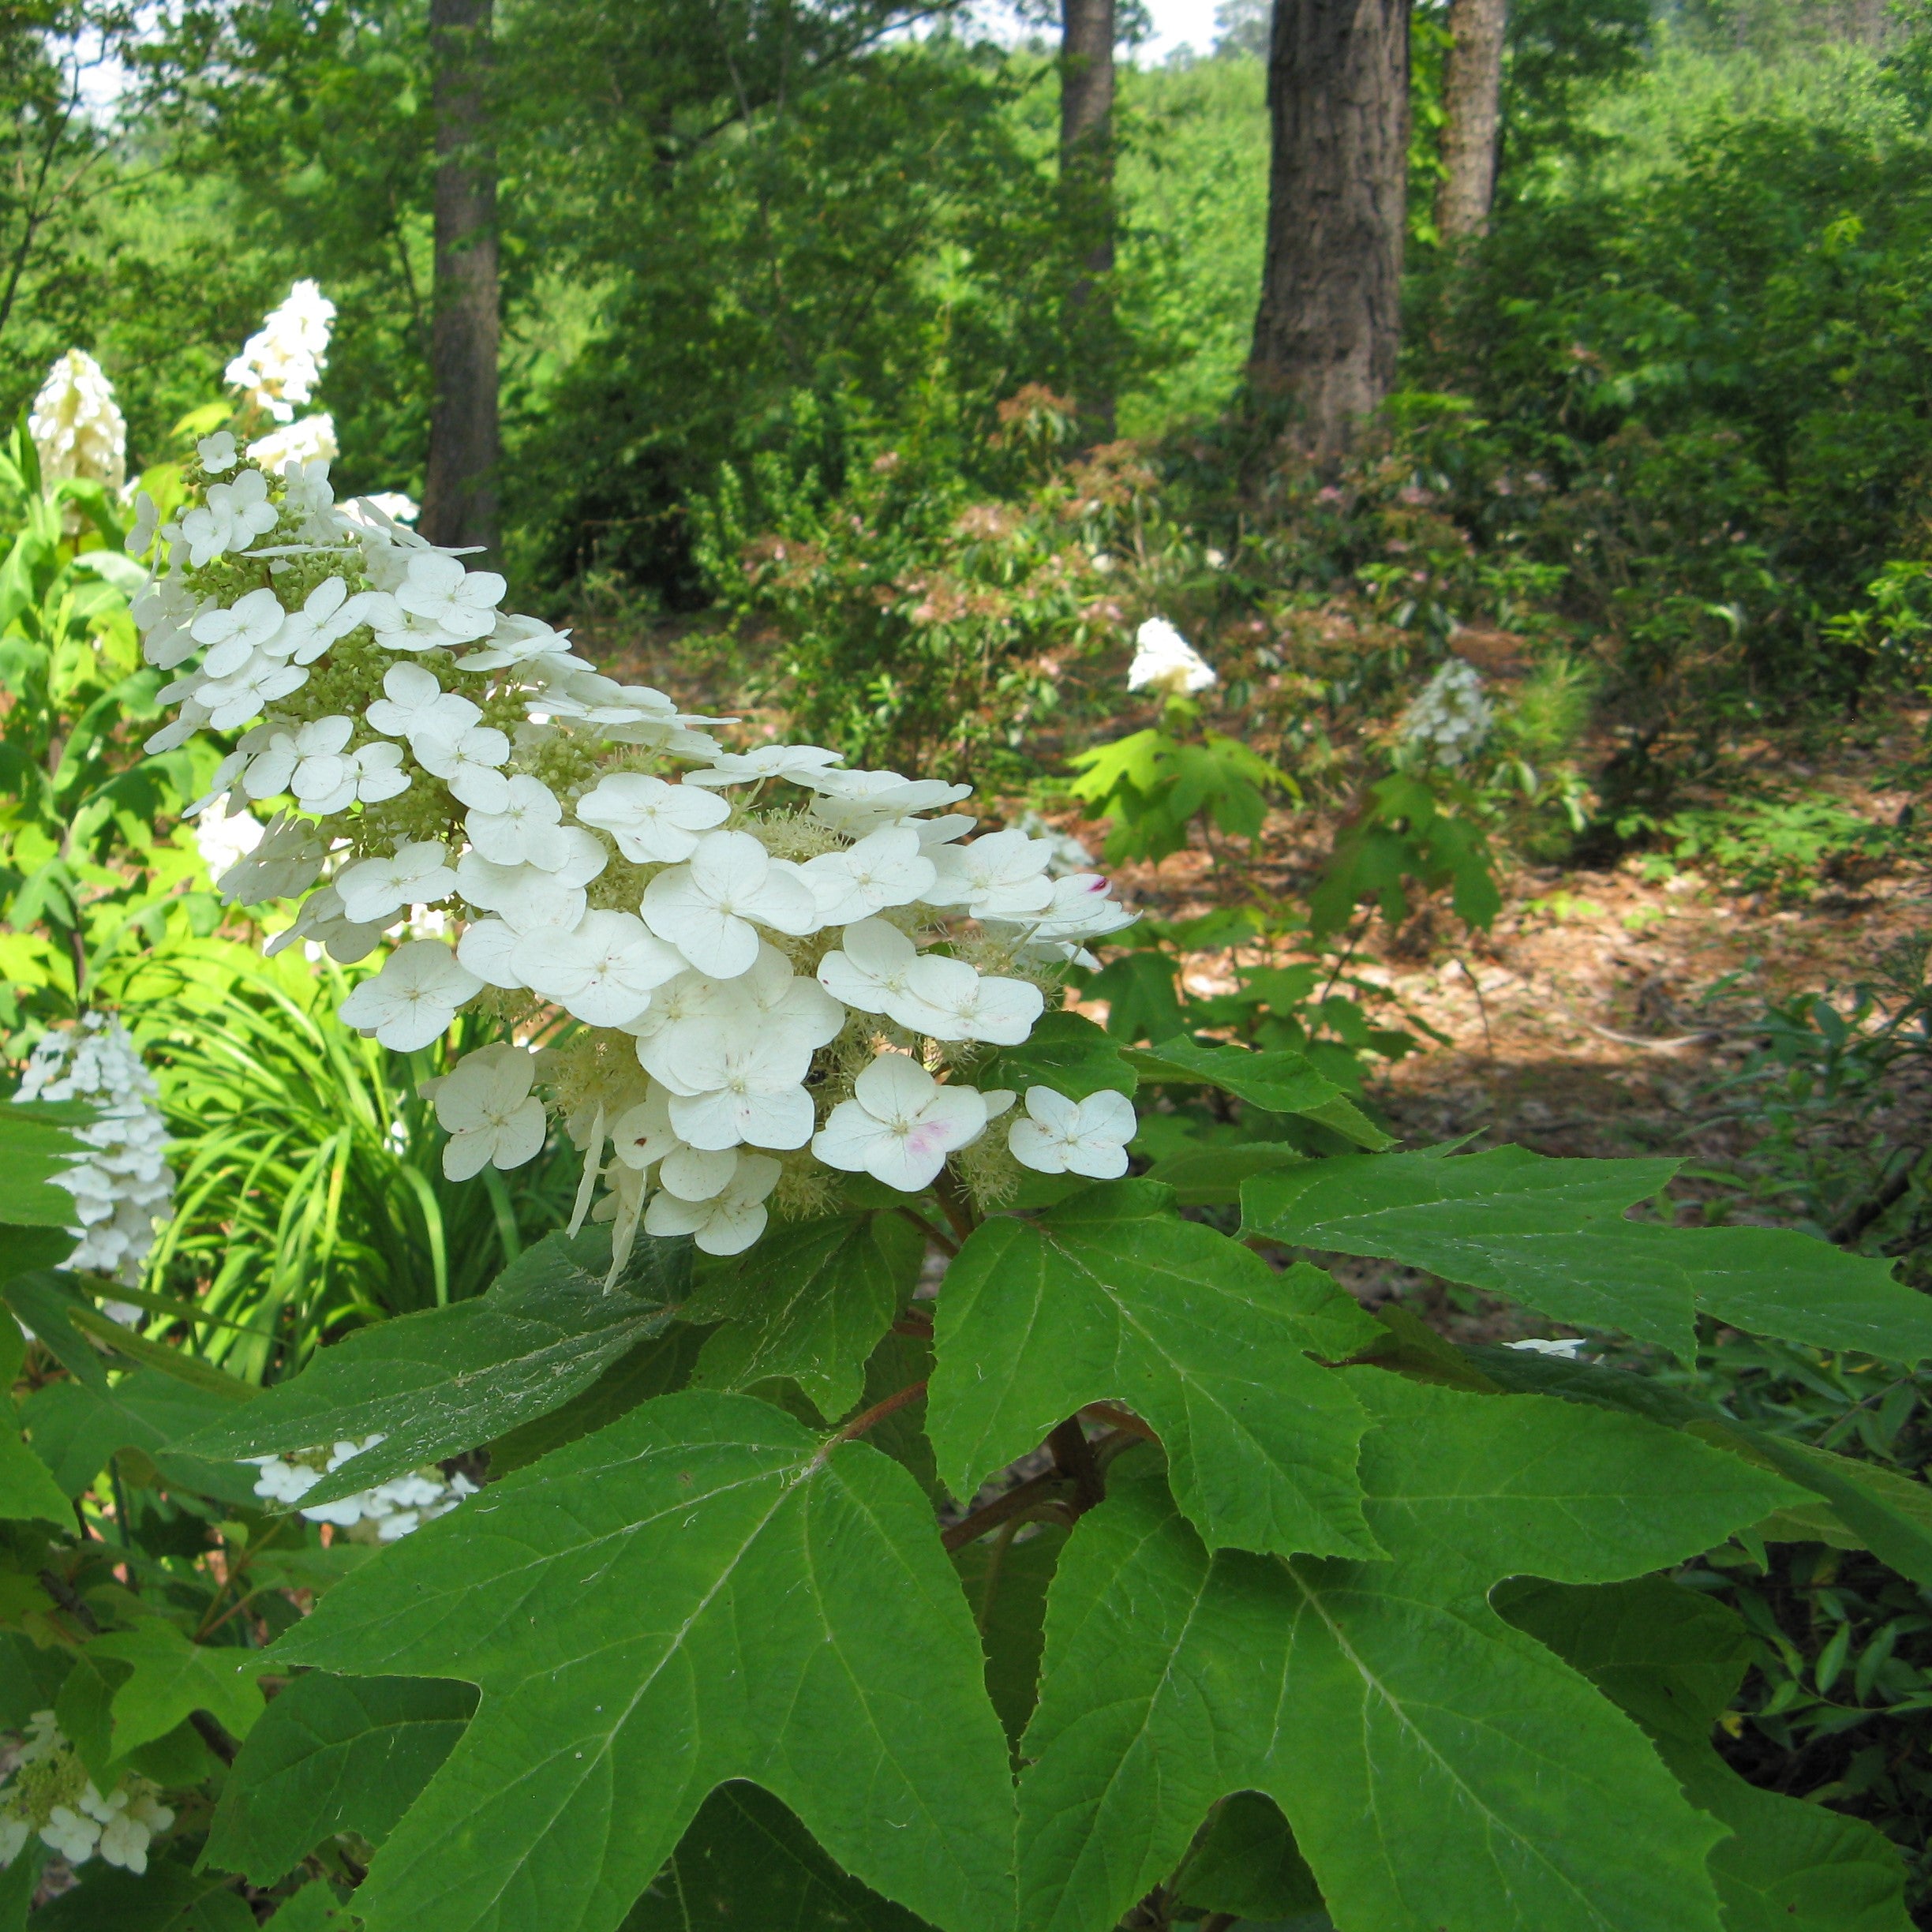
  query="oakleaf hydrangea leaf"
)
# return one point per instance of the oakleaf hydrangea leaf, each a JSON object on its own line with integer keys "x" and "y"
{"x": 1551, "y": 1234}
{"x": 747, "y": 1863}
{"x": 448, "y": 1379}
{"x": 332, "y": 1754}
{"x": 1674, "y": 1659}
{"x": 810, "y": 1301}
{"x": 1113, "y": 1296}
{"x": 703, "y": 1591}
{"x": 1441, "y": 1774}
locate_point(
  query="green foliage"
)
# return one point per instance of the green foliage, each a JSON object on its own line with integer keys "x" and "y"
{"x": 311, "y": 1195}
{"x": 1402, "y": 838}
{"x": 857, "y": 1702}
{"x": 451, "y": 1378}
{"x": 1153, "y": 786}
{"x": 911, "y": 617}
{"x": 84, "y": 875}
{"x": 1783, "y": 845}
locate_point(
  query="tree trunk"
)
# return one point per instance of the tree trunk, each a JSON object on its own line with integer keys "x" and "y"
{"x": 1087, "y": 192}
{"x": 1329, "y": 320}
{"x": 460, "y": 505}
{"x": 1472, "y": 96}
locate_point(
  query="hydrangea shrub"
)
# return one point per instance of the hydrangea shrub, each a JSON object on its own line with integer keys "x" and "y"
{"x": 892, "y": 1512}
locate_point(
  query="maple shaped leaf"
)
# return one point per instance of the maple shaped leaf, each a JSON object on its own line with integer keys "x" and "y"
{"x": 703, "y": 1591}
{"x": 1441, "y": 1772}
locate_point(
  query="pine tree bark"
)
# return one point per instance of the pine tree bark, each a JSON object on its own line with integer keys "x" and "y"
{"x": 1329, "y": 320}
{"x": 1087, "y": 41}
{"x": 460, "y": 500}
{"x": 1472, "y": 103}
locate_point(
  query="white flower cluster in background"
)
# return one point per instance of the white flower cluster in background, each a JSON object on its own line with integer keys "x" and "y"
{"x": 77, "y": 426}
{"x": 379, "y": 1515}
{"x": 780, "y": 971}
{"x": 1450, "y": 717}
{"x": 281, "y": 363}
{"x": 1165, "y": 661}
{"x": 122, "y": 1186}
{"x": 48, "y": 1795}
{"x": 312, "y": 440}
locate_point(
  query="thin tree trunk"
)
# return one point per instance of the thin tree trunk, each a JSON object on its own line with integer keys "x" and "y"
{"x": 460, "y": 502}
{"x": 1086, "y": 191}
{"x": 1329, "y": 320}
{"x": 1472, "y": 98}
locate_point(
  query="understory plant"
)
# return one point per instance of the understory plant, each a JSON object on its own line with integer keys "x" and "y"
{"x": 895, "y": 1512}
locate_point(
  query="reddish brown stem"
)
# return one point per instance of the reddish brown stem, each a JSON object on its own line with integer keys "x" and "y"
{"x": 1121, "y": 1419}
{"x": 877, "y": 1413}
{"x": 1035, "y": 1490}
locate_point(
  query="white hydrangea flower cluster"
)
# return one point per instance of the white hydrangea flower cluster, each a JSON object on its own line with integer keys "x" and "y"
{"x": 122, "y": 1186}
{"x": 1165, "y": 661}
{"x": 779, "y": 970}
{"x": 391, "y": 1509}
{"x": 281, "y": 363}
{"x": 77, "y": 426}
{"x": 1450, "y": 717}
{"x": 312, "y": 440}
{"x": 48, "y": 1795}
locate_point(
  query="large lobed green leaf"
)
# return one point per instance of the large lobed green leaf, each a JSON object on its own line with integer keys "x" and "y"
{"x": 1113, "y": 1296}
{"x": 35, "y": 1144}
{"x": 1551, "y": 1234}
{"x": 703, "y": 1591}
{"x": 449, "y": 1379}
{"x": 1441, "y": 1772}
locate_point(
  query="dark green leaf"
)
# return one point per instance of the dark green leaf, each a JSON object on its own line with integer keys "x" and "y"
{"x": 1212, "y": 1177}
{"x": 747, "y": 1865}
{"x": 316, "y": 1909}
{"x": 701, "y": 1592}
{"x": 1113, "y": 1297}
{"x": 34, "y": 1145}
{"x": 28, "y": 1489}
{"x": 1441, "y": 1772}
{"x": 1276, "y": 1083}
{"x": 1673, "y": 1659}
{"x": 333, "y": 1755}
{"x": 77, "y": 1428}
{"x": 450, "y": 1379}
{"x": 809, "y": 1303}
{"x": 29, "y": 1250}
{"x": 659, "y": 1365}
{"x": 1551, "y": 1234}
{"x": 1006, "y": 1578}
{"x": 44, "y": 1302}
{"x": 1247, "y": 1862}
{"x": 1139, "y": 989}
{"x": 1064, "y": 1051}
{"x": 166, "y": 1897}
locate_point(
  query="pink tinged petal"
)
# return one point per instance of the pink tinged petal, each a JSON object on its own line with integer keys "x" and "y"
{"x": 907, "y": 1162}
